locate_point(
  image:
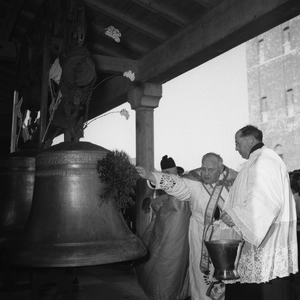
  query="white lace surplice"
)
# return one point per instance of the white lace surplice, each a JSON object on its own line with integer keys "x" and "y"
{"x": 262, "y": 206}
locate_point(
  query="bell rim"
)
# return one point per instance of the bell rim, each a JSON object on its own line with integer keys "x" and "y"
{"x": 71, "y": 255}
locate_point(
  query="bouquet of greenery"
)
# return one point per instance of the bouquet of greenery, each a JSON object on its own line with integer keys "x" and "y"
{"x": 119, "y": 176}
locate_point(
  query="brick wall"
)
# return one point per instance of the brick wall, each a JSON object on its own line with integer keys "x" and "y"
{"x": 273, "y": 68}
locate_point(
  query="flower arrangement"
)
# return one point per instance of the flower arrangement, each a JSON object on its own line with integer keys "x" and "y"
{"x": 119, "y": 176}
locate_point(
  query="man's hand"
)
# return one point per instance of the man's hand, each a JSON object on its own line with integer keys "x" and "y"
{"x": 145, "y": 174}
{"x": 226, "y": 219}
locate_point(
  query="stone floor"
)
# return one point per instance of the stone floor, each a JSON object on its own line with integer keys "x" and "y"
{"x": 106, "y": 282}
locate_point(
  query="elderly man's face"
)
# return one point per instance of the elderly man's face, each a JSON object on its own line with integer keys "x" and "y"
{"x": 210, "y": 170}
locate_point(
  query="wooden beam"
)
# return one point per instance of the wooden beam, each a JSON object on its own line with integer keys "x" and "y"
{"x": 113, "y": 65}
{"x": 109, "y": 95}
{"x": 124, "y": 19}
{"x": 226, "y": 26}
{"x": 222, "y": 28}
{"x": 131, "y": 45}
{"x": 10, "y": 18}
{"x": 106, "y": 50}
{"x": 166, "y": 12}
{"x": 207, "y": 3}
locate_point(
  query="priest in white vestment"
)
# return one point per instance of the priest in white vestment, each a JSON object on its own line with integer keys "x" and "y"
{"x": 261, "y": 210}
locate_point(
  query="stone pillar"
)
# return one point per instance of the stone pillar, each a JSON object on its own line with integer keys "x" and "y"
{"x": 143, "y": 100}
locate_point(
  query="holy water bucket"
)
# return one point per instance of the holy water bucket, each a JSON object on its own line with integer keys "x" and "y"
{"x": 225, "y": 255}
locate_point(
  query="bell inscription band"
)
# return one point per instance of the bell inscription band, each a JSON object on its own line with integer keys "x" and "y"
{"x": 69, "y": 225}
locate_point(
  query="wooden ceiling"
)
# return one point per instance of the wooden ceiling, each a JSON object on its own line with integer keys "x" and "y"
{"x": 160, "y": 39}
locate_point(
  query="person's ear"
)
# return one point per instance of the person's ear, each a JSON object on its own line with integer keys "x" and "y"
{"x": 222, "y": 168}
{"x": 251, "y": 139}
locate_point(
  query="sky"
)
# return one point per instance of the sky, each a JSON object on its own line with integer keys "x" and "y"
{"x": 199, "y": 112}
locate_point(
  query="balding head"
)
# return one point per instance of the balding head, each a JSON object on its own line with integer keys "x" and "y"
{"x": 212, "y": 167}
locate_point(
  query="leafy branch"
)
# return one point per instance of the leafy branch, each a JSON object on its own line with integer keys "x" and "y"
{"x": 119, "y": 176}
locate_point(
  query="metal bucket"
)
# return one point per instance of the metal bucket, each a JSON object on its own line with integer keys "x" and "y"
{"x": 225, "y": 255}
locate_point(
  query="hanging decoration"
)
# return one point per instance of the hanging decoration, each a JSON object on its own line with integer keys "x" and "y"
{"x": 72, "y": 78}
{"x": 78, "y": 75}
{"x": 76, "y": 87}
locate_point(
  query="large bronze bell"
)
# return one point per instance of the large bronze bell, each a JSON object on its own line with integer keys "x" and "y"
{"x": 17, "y": 172}
{"x": 69, "y": 224}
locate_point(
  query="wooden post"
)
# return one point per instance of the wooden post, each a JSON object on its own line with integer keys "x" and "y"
{"x": 144, "y": 99}
{"x": 44, "y": 89}
{"x": 13, "y": 138}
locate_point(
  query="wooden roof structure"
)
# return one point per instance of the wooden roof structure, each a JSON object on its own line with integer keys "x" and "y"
{"x": 160, "y": 40}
